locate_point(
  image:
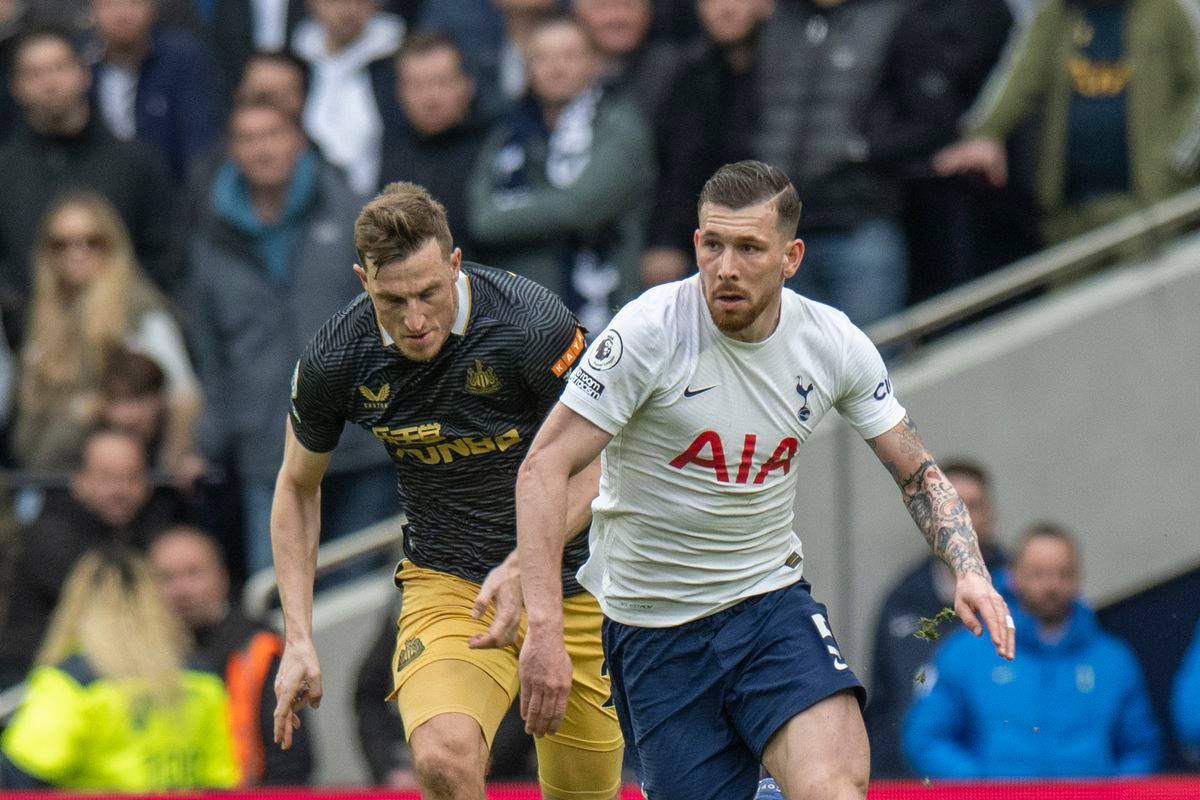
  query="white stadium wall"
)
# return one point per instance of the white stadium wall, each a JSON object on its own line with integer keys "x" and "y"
{"x": 1082, "y": 405}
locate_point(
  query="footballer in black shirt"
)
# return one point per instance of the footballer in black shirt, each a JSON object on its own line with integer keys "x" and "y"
{"x": 452, "y": 367}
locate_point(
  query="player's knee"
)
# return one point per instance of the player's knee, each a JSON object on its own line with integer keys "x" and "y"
{"x": 447, "y": 761}
{"x": 835, "y": 781}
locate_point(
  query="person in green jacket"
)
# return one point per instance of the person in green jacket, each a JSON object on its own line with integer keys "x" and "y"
{"x": 1115, "y": 87}
{"x": 111, "y": 705}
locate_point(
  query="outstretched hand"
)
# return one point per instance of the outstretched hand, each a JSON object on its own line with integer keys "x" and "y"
{"x": 297, "y": 684}
{"x": 979, "y": 605}
{"x": 501, "y": 588}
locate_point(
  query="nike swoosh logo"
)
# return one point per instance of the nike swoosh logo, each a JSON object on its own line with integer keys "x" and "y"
{"x": 689, "y": 392}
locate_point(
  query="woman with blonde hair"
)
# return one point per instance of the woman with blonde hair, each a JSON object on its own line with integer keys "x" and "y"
{"x": 111, "y": 705}
{"x": 90, "y": 299}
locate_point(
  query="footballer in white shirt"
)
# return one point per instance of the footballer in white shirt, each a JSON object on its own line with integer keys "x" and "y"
{"x": 698, "y": 396}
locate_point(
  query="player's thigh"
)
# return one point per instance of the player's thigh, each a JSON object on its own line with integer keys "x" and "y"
{"x": 582, "y": 760}
{"x": 670, "y": 689}
{"x": 822, "y": 753}
{"x": 794, "y": 680}
{"x": 434, "y": 670}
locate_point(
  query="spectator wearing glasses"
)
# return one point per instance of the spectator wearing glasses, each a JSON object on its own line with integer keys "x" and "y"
{"x": 91, "y": 300}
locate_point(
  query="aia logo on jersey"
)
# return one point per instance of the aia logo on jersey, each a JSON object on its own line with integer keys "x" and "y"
{"x": 708, "y": 451}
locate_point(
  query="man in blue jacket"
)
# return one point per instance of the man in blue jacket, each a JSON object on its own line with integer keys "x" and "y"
{"x": 1073, "y": 702}
{"x": 156, "y": 84}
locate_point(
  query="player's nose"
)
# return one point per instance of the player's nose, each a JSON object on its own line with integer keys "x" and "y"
{"x": 727, "y": 265}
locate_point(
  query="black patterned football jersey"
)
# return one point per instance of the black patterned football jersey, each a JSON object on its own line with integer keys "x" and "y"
{"x": 458, "y": 426}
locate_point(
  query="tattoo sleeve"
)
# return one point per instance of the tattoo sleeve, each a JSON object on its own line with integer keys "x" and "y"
{"x": 932, "y": 501}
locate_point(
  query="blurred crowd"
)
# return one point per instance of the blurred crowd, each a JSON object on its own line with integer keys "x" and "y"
{"x": 181, "y": 178}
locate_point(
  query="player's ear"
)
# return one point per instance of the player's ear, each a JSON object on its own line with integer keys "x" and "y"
{"x": 792, "y": 257}
{"x": 362, "y": 275}
{"x": 455, "y": 262}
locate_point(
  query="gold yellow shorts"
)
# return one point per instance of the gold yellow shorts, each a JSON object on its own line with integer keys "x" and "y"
{"x": 435, "y": 672}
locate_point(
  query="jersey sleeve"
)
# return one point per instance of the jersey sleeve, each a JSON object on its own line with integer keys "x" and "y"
{"x": 315, "y": 417}
{"x": 554, "y": 343}
{"x": 619, "y": 370}
{"x": 866, "y": 399}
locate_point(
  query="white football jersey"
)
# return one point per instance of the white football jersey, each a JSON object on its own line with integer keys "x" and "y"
{"x": 697, "y": 487}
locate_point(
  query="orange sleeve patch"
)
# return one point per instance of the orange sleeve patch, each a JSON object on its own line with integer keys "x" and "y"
{"x": 565, "y": 361}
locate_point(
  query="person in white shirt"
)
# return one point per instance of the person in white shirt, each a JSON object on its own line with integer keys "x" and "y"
{"x": 349, "y": 44}
{"x": 698, "y": 395}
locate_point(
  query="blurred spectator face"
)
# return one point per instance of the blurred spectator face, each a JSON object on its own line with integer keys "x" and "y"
{"x": 265, "y": 142}
{"x": 78, "y": 247}
{"x": 343, "y": 20}
{"x": 191, "y": 576}
{"x": 731, "y": 21}
{"x": 113, "y": 481}
{"x": 124, "y": 24}
{"x": 975, "y": 497}
{"x": 617, "y": 27}
{"x": 435, "y": 90}
{"x": 1046, "y": 578}
{"x": 561, "y": 62}
{"x": 49, "y": 83}
{"x": 274, "y": 82}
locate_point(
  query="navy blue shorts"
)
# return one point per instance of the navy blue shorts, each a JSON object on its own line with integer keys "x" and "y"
{"x": 697, "y": 702}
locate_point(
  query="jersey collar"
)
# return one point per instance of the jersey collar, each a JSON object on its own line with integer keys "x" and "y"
{"x": 461, "y": 319}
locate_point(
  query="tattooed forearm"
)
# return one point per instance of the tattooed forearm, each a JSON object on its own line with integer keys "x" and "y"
{"x": 931, "y": 499}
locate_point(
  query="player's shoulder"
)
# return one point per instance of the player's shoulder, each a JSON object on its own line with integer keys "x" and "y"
{"x": 826, "y": 332}
{"x": 509, "y": 299}
{"x": 817, "y": 315}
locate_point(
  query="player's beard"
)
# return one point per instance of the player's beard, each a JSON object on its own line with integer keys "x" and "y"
{"x": 739, "y": 318}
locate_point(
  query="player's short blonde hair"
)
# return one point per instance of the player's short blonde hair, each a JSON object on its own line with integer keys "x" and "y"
{"x": 398, "y": 222}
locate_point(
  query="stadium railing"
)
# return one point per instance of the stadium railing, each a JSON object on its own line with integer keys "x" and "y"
{"x": 1157, "y": 224}
{"x": 262, "y": 588}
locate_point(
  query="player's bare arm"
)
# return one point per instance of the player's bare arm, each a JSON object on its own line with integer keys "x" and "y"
{"x": 942, "y": 517}
{"x": 502, "y": 587}
{"x": 295, "y": 533}
{"x": 566, "y": 445}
